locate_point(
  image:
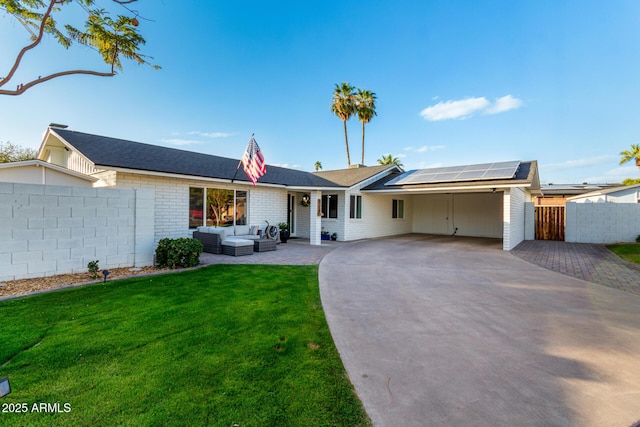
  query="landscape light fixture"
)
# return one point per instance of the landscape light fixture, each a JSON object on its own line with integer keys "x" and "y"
{"x": 105, "y": 273}
{"x": 5, "y": 388}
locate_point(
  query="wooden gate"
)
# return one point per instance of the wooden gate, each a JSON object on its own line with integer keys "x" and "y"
{"x": 549, "y": 222}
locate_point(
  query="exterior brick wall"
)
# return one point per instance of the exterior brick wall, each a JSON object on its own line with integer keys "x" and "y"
{"x": 172, "y": 202}
{"x": 47, "y": 230}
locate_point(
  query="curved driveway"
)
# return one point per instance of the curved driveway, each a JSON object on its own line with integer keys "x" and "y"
{"x": 436, "y": 330}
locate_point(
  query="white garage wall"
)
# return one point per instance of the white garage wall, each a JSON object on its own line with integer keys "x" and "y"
{"x": 473, "y": 214}
{"x": 431, "y": 214}
{"x": 376, "y": 218}
{"x": 514, "y": 225}
{"x": 478, "y": 214}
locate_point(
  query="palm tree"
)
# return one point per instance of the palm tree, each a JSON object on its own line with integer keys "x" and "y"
{"x": 390, "y": 160}
{"x": 318, "y": 165}
{"x": 632, "y": 154}
{"x": 366, "y": 109}
{"x": 342, "y": 105}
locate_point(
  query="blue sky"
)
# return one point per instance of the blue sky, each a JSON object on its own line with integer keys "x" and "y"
{"x": 457, "y": 82}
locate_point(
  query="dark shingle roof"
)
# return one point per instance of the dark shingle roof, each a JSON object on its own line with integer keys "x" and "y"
{"x": 353, "y": 176}
{"x": 106, "y": 152}
{"x": 527, "y": 174}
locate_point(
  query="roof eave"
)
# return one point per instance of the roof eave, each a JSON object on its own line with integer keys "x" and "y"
{"x": 451, "y": 189}
{"x": 211, "y": 179}
{"x": 42, "y": 163}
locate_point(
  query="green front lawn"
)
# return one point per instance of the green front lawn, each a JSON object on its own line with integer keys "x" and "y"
{"x": 628, "y": 251}
{"x": 222, "y": 345}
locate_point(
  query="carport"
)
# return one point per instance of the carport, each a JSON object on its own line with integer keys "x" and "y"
{"x": 441, "y": 203}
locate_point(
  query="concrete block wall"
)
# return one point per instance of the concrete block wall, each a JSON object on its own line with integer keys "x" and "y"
{"x": 602, "y": 222}
{"x": 47, "y": 230}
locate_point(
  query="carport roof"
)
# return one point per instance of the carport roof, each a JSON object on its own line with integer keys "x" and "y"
{"x": 526, "y": 176}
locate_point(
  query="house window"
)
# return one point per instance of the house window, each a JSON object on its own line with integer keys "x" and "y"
{"x": 355, "y": 207}
{"x": 397, "y": 209}
{"x": 330, "y": 205}
{"x": 196, "y": 202}
{"x": 221, "y": 207}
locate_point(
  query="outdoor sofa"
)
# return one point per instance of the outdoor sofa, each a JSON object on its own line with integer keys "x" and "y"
{"x": 212, "y": 237}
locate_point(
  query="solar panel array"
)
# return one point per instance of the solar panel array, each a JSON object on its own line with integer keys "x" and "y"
{"x": 480, "y": 172}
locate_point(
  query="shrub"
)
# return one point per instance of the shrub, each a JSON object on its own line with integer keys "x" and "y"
{"x": 175, "y": 253}
{"x": 93, "y": 269}
{"x": 638, "y": 239}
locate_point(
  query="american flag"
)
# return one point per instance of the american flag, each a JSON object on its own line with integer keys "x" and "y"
{"x": 253, "y": 161}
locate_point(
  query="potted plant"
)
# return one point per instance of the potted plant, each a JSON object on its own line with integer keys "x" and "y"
{"x": 324, "y": 235}
{"x": 284, "y": 232}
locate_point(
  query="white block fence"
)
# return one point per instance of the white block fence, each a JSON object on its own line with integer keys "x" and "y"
{"x": 47, "y": 230}
{"x": 602, "y": 222}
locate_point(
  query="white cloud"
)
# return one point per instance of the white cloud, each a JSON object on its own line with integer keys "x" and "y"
{"x": 445, "y": 110}
{"x": 401, "y": 156}
{"x": 425, "y": 148}
{"x": 211, "y": 134}
{"x": 580, "y": 163}
{"x": 600, "y": 169}
{"x": 465, "y": 108}
{"x": 503, "y": 104}
{"x": 180, "y": 142}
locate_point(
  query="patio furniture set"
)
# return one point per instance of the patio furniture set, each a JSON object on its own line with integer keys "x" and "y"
{"x": 243, "y": 240}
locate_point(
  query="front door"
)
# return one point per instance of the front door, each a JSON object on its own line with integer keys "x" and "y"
{"x": 291, "y": 218}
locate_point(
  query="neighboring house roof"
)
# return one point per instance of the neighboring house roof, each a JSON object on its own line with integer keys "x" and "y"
{"x": 526, "y": 176}
{"x": 352, "y": 176}
{"x": 34, "y": 174}
{"x": 603, "y": 192}
{"x": 572, "y": 189}
{"x": 112, "y": 153}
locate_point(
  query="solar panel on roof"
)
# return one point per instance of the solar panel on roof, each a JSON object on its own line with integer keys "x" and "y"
{"x": 479, "y": 172}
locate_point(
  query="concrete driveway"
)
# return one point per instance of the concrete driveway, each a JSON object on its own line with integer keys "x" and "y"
{"x": 437, "y": 330}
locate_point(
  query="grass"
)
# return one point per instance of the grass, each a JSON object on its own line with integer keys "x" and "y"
{"x": 223, "y": 345}
{"x": 628, "y": 251}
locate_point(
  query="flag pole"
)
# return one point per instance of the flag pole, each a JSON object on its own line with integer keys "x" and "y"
{"x": 240, "y": 162}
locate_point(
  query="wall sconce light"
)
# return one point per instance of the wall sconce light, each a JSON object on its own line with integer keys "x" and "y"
{"x": 105, "y": 273}
{"x": 493, "y": 189}
{"x": 5, "y": 388}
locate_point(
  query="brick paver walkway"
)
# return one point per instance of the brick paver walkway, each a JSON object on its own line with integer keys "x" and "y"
{"x": 594, "y": 263}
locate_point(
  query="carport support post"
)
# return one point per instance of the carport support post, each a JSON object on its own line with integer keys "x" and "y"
{"x": 315, "y": 220}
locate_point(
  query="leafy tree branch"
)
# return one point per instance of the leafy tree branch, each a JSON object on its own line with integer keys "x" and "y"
{"x": 111, "y": 38}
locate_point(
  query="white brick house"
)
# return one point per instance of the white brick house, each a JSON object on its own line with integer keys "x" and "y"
{"x": 353, "y": 203}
